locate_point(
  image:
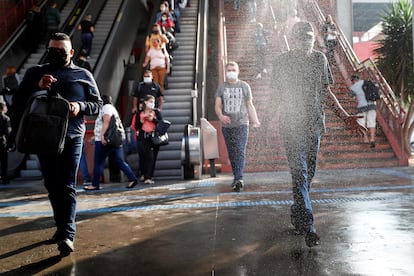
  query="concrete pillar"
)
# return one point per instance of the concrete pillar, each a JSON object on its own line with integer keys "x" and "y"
{"x": 345, "y": 18}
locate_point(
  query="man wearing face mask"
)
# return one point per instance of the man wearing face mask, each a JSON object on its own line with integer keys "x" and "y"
{"x": 234, "y": 108}
{"x": 303, "y": 77}
{"x": 144, "y": 88}
{"x": 78, "y": 86}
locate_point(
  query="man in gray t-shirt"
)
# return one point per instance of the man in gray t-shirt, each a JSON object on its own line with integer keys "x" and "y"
{"x": 234, "y": 108}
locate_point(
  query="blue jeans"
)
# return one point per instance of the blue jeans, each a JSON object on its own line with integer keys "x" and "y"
{"x": 59, "y": 173}
{"x": 236, "y": 142}
{"x": 302, "y": 147}
{"x": 236, "y": 4}
{"x": 116, "y": 154}
{"x": 86, "y": 39}
{"x": 83, "y": 166}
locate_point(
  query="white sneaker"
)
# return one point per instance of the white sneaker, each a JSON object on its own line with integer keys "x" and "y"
{"x": 65, "y": 247}
{"x": 265, "y": 71}
{"x": 149, "y": 181}
{"x": 258, "y": 76}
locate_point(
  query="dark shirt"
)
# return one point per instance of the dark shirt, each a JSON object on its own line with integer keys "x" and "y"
{"x": 301, "y": 83}
{"x": 5, "y": 125}
{"x": 152, "y": 89}
{"x": 74, "y": 83}
{"x": 86, "y": 26}
{"x": 52, "y": 18}
{"x": 84, "y": 64}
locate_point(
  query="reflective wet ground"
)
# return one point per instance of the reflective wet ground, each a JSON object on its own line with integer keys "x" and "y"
{"x": 365, "y": 219}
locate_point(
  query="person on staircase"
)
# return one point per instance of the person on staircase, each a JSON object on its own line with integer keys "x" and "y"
{"x": 144, "y": 88}
{"x": 158, "y": 61}
{"x": 156, "y": 33}
{"x": 303, "y": 78}
{"x": 330, "y": 36}
{"x": 9, "y": 85}
{"x": 146, "y": 121}
{"x": 5, "y": 130}
{"x": 367, "y": 110}
{"x": 87, "y": 29}
{"x": 234, "y": 108}
{"x": 261, "y": 43}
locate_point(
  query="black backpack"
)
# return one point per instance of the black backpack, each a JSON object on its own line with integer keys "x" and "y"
{"x": 43, "y": 127}
{"x": 371, "y": 90}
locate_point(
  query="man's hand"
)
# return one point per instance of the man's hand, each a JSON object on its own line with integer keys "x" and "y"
{"x": 11, "y": 147}
{"x": 46, "y": 81}
{"x": 352, "y": 123}
{"x": 256, "y": 124}
{"x": 225, "y": 119}
{"x": 74, "y": 109}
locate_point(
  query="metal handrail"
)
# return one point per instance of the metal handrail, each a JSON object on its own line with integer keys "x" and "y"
{"x": 391, "y": 114}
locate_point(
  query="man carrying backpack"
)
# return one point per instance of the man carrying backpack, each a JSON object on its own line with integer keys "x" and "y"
{"x": 78, "y": 86}
{"x": 367, "y": 109}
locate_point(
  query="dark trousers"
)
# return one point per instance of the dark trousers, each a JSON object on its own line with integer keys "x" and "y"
{"x": 59, "y": 174}
{"x": 150, "y": 157}
{"x": 4, "y": 163}
{"x": 86, "y": 39}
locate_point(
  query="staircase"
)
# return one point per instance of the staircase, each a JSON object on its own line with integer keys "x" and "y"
{"x": 340, "y": 148}
{"x": 178, "y": 101}
{"x": 37, "y": 55}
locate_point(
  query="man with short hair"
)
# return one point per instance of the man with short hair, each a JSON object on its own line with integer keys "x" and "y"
{"x": 144, "y": 88}
{"x": 79, "y": 88}
{"x": 303, "y": 77}
{"x": 234, "y": 108}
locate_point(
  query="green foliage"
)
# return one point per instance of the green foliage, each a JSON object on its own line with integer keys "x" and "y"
{"x": 395, "y": 49}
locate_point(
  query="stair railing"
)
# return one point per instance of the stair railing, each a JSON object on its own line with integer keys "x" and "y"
{"x": 390, "y": 113}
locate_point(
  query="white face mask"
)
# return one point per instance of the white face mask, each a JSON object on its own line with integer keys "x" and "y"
{"x": 151, "y": 105}
{"x": 147, "y": 79}
{"x": 231, "y": 75}
{"x": 305, "y": 45}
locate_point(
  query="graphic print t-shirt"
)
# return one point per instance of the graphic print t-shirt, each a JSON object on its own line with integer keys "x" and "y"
{"x": 234, "y": 98}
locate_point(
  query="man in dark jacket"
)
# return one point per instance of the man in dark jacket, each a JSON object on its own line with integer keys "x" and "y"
{"x": 79, "y": 88}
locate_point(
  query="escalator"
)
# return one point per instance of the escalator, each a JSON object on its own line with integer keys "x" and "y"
{"x": 116, "y": 29}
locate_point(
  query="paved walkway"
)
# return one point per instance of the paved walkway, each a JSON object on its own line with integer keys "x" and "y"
{"x": 365, "y": 219}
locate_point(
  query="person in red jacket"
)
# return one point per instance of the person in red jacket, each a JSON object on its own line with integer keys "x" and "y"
{"x": 166, "y": 22}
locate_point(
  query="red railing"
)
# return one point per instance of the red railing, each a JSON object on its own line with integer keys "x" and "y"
{"x": 12, "y": 15}
{"x": 390, "y": 114}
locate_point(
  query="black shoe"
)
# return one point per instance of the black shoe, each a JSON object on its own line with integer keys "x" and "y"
{"x": 299, "y": 232}
{"x": 54, "y": 239}
{"x": 372, "y": 145}
{"x": 312, "y": 239}
{"x": 132, "y": 184}
{"x": 65, "y": 247}
{"x": 237, "y": 185}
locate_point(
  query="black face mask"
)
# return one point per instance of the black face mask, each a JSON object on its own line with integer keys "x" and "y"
{"x": 57, "y": 57}
{"x": 155, "y": 32}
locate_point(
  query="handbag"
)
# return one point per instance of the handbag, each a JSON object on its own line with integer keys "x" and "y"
{"x": 160, "y": 136}
{"x": 115, "y": 134}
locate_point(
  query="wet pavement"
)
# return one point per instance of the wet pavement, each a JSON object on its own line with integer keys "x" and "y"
{"x": 365, "y": 219}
